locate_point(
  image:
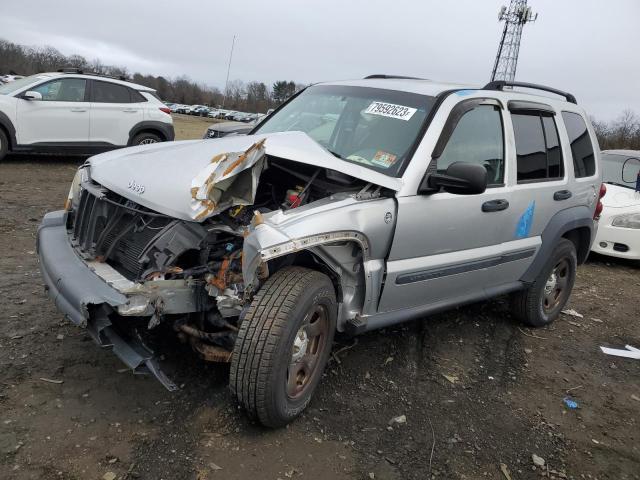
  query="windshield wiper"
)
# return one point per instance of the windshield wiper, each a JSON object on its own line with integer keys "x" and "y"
{"x": 337, "y": 155}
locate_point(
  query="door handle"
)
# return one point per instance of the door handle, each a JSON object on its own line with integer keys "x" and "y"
{"x": 130, "y": 110}
{"x": 78, "y": 109}
{"x": 495, "y": 205}
{"x": 562, "y": 195}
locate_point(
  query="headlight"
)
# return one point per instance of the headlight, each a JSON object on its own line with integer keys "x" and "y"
{"x": 629, "y": 220}
{"x": 82, "y": 175}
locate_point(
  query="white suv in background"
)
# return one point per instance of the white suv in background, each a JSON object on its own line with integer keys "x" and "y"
{"x": 73, "y": 112}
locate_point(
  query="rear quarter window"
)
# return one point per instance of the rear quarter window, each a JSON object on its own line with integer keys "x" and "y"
{"x": 584, "y": 162}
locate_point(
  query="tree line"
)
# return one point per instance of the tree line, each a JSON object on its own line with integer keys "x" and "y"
{"x": 623, "y": 132}
{"x": 249, "y": 97}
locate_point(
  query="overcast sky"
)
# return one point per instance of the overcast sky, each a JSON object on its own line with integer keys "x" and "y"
{"x": 587, "y": 47}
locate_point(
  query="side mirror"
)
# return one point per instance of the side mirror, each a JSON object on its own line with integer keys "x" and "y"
{"x": 460, "y": 178}
{"x": 31, "y": 95}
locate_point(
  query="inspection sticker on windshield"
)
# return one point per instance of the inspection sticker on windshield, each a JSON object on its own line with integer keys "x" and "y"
{"x": 384, "y": 159}
{"x": 390, "y": 110}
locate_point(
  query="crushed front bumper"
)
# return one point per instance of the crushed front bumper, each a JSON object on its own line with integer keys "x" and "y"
{"x": 88, "y": 300}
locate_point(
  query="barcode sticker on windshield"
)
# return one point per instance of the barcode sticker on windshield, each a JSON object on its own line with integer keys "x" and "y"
{"x": 390, "y": 110}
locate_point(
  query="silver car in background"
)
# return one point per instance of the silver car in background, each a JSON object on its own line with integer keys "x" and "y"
{"x": 354, "y": 206}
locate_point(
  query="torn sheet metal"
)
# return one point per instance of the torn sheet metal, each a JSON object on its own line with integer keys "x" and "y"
{"x": 229, "y": 179}
{"x": 630, "y": 352}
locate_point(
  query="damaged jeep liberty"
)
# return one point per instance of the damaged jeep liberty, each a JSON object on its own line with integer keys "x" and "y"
{"x": 354, "y": 206}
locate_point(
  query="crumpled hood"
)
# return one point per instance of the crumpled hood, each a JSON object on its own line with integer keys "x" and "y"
{"x": 160, "y": 176}
{"x": 620, "y": 197}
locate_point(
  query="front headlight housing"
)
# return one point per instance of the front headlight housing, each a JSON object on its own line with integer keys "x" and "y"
{"x": 82, "y": 175}
{"x": 628, "y": 220}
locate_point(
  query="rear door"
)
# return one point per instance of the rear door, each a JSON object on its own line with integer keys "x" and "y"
{"x": 115, "y": 109}
{"x": 542, "y": 187}
{"x": 449, "y": 246}
{"x": 61, "y": 117}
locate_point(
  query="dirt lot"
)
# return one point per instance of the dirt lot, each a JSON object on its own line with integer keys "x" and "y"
{"x": 477, "y": 389}
{"x": 188, "y": 126}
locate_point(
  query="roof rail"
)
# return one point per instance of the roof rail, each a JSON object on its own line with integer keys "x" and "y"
{"x": 79, "y": 71}
{"x": 70, "y": 70}
{"x": 500, "y": 84}
{"x": 384, "y": 76}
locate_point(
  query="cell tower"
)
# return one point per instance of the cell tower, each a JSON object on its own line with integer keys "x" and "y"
{"x": 514, "y": 18}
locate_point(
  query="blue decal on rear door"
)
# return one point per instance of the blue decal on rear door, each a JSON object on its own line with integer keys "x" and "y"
{"x": 526, "y": 220}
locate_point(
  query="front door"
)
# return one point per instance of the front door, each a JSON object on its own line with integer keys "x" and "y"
{"x": 62, "y": 116}
{"x": 450, "y": 246}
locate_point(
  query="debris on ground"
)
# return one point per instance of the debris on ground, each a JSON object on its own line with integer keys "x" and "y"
{"x": 213, "y": 466}
{"x": 452, "y": 378}
{"x": 630, "y": 352}
{"x": 400, "y": 419}
{"x": 109, "y": 476}
{"x": 635, "y": 397}
{"x": 505, "y": 471}
{"x": 571, "y": 312}
{"x": 570, "y": 403}
{"x": 50, "y": 380}
{"x": 537, "y": 461}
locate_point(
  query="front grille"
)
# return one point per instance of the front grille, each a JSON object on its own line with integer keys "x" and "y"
{"x": 108, "y": 227}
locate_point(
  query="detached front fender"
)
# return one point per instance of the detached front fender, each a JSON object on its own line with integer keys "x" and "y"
{"x": 332, "y": 221}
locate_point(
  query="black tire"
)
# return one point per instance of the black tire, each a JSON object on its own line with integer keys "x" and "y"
{"x": 262, "y": 365}
{"x": 4, "y": 145}
{"x": 542, "y": 302}
{"x": 145, "y": 138}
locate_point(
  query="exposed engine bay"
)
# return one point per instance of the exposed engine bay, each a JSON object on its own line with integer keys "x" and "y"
{"x": 189, "y": 274}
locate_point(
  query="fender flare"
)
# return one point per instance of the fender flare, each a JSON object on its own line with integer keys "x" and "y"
{"x": 164, "y": 129}
{"x": 7, "y": 124}
{"x": 561, "y": 223}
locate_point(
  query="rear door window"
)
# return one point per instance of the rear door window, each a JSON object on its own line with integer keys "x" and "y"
{"x": 584, "y": 162}
{"x": 538, "y": 152}
{"x": 107, "y": 92}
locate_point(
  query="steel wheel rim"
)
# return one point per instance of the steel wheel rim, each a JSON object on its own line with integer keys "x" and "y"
{"x": 306, "y": 351}
{"x": 556, "y": 286}
{"x": 148, "y": 141}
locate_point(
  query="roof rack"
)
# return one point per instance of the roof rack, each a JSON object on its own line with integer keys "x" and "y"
{"x": 384, "y": 76}
{"x": 500, "y": 84}
{"x": 79, "y": 71}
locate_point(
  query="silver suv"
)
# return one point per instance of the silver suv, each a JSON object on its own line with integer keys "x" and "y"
{"x": 354, "y": 206}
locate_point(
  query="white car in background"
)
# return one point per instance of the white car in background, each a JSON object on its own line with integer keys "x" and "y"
{"x": 619, "y": 225}
{"x": 73, "y": 112}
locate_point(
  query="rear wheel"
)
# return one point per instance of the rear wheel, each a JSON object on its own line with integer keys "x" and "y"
{"x": 542, "y": 302}
{"x": 4, "y": 144}
{"x": 145, "y": 139}
{"x": 283, "y": 345}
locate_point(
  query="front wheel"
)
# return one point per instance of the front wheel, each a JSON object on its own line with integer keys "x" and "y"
{"x": 283, "y": 345}
{"x": 542, "y": 302}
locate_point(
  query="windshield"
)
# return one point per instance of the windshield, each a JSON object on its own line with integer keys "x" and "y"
{"x": 375, "y": 128}
{"x": 620, "y": 169}
{"x": 9, "y": 88}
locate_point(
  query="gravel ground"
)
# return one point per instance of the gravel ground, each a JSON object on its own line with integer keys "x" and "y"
{"x": 480, "y": 393}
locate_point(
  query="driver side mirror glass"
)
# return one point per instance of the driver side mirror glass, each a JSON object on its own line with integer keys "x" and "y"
{"x": 32, "y": 95}
{"x": 631, "y": 170}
